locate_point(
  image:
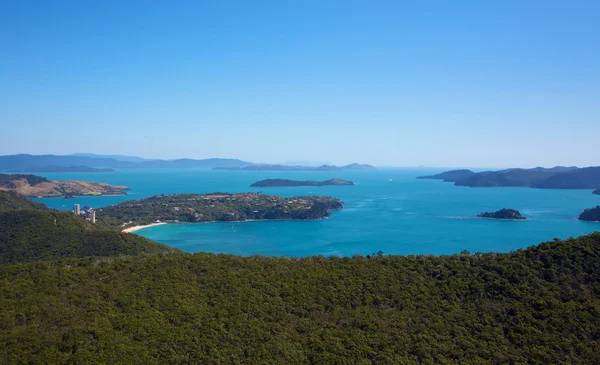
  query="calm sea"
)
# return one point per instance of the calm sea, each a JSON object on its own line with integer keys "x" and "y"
{"x": 387, "y": 210}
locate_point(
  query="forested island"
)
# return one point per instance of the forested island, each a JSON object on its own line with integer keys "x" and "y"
{"x": 590, "y": 215}
{"x": 270, "y": 183}
{"x": 37, "y": 186}
{"x": 55, "y": 168}
{"x": 216, "y": 207}
{"x": 597, "y": 192}
{"x": 559, "y": 177}
{"x": 508, "y": 214}
{"x": 76, "y": 293}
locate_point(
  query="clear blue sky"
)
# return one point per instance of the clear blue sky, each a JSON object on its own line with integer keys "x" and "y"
{"x": 435, "y": 83}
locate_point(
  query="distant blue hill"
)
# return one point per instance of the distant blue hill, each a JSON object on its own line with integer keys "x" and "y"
{"x": 114, "y": 157}
{"x": 559, "y": 177}
{"x": 25, "y": 161}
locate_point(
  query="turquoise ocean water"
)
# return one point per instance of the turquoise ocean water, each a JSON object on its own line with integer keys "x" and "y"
{"x": 387, "y": 210}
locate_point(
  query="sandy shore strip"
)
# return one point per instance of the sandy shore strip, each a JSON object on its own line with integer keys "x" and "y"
{"x": 136, "y": 228}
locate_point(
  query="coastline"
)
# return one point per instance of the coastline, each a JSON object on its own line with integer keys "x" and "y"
{"x": 137, "y": 228}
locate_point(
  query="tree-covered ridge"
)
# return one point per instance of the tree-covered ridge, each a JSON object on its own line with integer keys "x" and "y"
{"x": 9, "y": 200}
{"x": 28, "y": 235}
{"x": 535, "y": 306}
{"x": 509, "y": 214}
{"x": 591, "y": 214}
{"x": 216, "y": 207}
{"x": 29, "y": 231}
{"x": 8, "y": 180}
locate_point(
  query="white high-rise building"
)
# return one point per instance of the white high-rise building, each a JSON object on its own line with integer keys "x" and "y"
{"x": 76, "y": 209}
{"x": 93, "y": 217}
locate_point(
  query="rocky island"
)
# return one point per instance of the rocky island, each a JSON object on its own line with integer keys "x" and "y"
{"x": 272, "y": 183}
{"x": 597, "y": 192}
{"x": 508, "y": 214}
{"x": 215, "y": 207}
{"x": 590, "y": 215}
{"x": 37, "y": 186}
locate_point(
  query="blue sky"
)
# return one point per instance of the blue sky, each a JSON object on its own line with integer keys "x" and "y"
{"x": 405, "y": 83}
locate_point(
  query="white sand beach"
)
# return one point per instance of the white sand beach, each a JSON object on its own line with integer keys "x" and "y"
{"x": 136, "y": 228}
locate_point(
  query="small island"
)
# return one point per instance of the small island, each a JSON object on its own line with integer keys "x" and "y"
{"x": 597, "y": 192}
{"x": 38, "y": 186}
{"x": 215, "y": 207}
{"x": 590, "y": 215}
{"x": 272, "y": 183}
{"x": 506, "y": 214}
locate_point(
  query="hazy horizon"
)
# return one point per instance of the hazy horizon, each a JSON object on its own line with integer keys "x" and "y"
{"x": 437, "y": 84}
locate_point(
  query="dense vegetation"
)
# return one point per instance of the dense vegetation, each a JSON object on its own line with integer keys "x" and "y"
{"x": 7, "y": 180}
{"x": 559, "y": 177}
{"x": 592, "y": 214}
{"x": 534, "y": 306}
{"x": 504, "y": 213}
{"x": 216, "y": 207}
{"x": 132, "y": 303}
{"x": 28, "y": 233}
{"x": 9, "y": 200}
{"x": 270, "y": 183}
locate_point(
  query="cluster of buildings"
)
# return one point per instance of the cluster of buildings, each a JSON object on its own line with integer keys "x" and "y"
{"x": 86, "y": 212}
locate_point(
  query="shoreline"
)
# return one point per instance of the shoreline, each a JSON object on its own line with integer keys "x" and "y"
{"x": 137, "y": 228}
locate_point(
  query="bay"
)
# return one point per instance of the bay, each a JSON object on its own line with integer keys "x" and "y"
{"x": 388, "y": 210}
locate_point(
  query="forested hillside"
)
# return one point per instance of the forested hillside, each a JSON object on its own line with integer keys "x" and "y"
{"x": 29, "y": 233}
{"x": 534, "y": 306}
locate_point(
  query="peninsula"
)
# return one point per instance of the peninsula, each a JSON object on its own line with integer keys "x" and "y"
{"x": 215, "y": 207}
{"x": 37, "y": 186}
{"x": 590, "y": 215}
{"x": 508, "y": 214}
{"x": 272, "y": 183}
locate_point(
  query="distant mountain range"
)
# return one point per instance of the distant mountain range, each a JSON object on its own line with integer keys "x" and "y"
{"x": 114, "y": 157}
{"x": 87, "y": 161}
{"x": 277, "y": 167}
{"x": 54, "y": 168}
{"x": 559, "y": 177}
{"x": 26, "y": 162}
